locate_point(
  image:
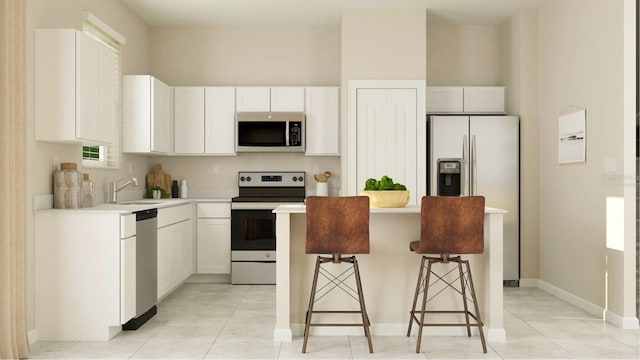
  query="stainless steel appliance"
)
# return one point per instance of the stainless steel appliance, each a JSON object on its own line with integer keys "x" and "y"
{"x": 253, "y": 223}
{"x": 146, "y": 268}
{"x": 488, "y": 148}
{"x": 270, "y": 132}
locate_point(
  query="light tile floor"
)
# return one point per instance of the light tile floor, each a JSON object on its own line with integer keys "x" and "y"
{"x": 218, "y": 321}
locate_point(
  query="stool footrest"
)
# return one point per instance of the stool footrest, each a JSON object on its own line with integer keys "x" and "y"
{"x": 340, "y": 324}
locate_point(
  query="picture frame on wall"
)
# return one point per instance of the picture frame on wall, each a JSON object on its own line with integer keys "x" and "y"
{"x": 572, "y": 137}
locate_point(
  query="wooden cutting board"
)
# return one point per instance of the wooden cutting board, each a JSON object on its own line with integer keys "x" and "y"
{"x": 158, "y": 178}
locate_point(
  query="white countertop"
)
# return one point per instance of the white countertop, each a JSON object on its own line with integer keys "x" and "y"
{"x": 411, "y": 209}
{"x": 131, "y": 206}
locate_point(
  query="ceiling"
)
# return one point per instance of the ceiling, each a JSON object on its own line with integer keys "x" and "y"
{"x": 313, "y": 12}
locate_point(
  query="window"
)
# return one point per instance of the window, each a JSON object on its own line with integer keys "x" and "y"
{"x": 106, "y": 156}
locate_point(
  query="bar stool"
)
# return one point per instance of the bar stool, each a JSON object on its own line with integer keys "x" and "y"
{"x": 449, "y": 225}
{"x": 336, "y": 226}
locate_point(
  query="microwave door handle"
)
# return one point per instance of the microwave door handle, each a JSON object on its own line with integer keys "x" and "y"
{"x": 286, "y": 133}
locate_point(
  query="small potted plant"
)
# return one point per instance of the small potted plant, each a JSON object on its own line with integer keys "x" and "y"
{"x": 157, "y": 192}
{"x": 384, "y": 193}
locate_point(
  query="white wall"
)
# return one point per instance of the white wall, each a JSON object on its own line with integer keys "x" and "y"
{"x": 230, "y": 56}
{"x": 581, "y": 58}
{"x": 520, "y": 76}
{"x": 41, "y": 156}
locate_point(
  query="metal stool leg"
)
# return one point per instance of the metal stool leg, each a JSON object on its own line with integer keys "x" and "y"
{"x": 363, "y": 309}
{"x": 424, "y": 305}
{"x": 311, "y": 301}
{"x": 477, "y": 310}
{"x": 415, "y": 297}
{"x": 464, "y": 298}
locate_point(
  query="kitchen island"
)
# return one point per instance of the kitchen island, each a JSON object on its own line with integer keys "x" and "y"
{"x": 389, "y": 274}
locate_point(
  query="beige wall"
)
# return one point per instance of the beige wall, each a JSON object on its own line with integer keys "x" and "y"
{"x": 463, "y": 54}
{"x": 246, "y": 55}
{"x": 230, "y": 56}
{"x": 520, "y": 76}
{"x": 581, "y": 64}
{"x": 42, "y": 156}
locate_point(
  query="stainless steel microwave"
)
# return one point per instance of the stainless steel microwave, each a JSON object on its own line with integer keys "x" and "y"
{"x": 270, "y": 132}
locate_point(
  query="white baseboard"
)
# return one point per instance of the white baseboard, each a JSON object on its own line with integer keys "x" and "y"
{"x": 282, "y": 335}
{"x": 492, "y": 335}
{"x": 583, "y": 304}
{"x": 630, "y": 323}
{"x": 32, "y": 336}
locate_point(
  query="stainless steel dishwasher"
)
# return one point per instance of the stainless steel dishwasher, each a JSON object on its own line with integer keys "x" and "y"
{"x": 146, "y": 268}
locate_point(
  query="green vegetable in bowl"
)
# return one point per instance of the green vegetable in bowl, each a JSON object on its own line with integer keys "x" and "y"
{"x": 370, "y": 184}
{"x": 385, "y": 183}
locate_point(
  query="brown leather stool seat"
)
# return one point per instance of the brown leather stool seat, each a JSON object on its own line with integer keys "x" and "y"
{"x": 449, "y": 225}
{"x": 336, "y": 226}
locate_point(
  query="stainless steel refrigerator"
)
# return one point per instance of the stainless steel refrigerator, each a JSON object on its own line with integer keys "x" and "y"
{"x": 480, "y": 155}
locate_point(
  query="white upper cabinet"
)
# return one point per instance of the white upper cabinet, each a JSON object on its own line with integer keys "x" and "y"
{"x": 484, "y": 99}
{"x": 189, "y": 120}
{"x": 444, "y": 99}
{"x": 466, "y": 99}
{"x": 75, "y": 88}
{"x": 204, "y": 121}
{"x": 253, "y": 99}
{"x": 265, "y": 99}
{"x": 287, "y": 99}
{"x": 147, "y": 115}
{"x": 219, "y": 121}
{"x": 322, "y": 121}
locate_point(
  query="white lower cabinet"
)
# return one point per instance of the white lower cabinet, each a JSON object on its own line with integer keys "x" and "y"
{"x": 214, "y": 238}
{"x": 175, "y": 244}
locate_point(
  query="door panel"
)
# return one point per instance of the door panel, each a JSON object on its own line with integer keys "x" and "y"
{"x": 497, "y": 159}
{"x": 447, "y": 141}
{"x": 387, "y": 136}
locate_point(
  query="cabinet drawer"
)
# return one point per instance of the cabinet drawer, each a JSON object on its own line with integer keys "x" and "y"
{"x": 127, "y": 226}
{"x": 214, "y": 210}
{"x": 175, "y": 214}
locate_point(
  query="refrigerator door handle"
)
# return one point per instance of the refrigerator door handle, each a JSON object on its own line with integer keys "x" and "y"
{"x": 464, "y": 181}
{"x": 474, "y": 166}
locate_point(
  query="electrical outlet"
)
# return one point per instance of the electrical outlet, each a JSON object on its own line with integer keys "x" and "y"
{"x": 216, "y": 169}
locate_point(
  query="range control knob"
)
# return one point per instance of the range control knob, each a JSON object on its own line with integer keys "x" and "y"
{"x": 248, "y": 178}
{"x": 300, "y": 178}
{"x": 241, "y": 178}
{"x": 295, "y": 178}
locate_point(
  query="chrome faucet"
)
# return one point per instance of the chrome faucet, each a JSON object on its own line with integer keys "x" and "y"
{"x": 115, "y": 188}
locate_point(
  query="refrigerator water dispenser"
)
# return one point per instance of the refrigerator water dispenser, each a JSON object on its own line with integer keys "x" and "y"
{"x": 449, "y": 177}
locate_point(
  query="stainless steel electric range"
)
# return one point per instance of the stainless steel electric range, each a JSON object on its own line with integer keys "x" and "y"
{"x": 253, "y": 223}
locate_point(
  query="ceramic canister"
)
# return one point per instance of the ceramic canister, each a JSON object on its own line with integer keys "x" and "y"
{"x": 67, "y": 187}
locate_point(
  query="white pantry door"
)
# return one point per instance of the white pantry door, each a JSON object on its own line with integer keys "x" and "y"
{"x": 386, "y": 136}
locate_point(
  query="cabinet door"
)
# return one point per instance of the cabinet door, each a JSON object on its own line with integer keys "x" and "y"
{"x": 162, "y": 118}
{"x": 484, "y": 99}
{"x": 322, "y": 120}
{"x": 185, "y": 250}
{"x": 168, "y": 259}
{"x": 127, "y": 279}
{"x": 387, "y": 137}
{"x": 137, "y": 103}
{"x": 189, "y": 126}
{"x": 86, "y": 88}
{"x": 107, "y": 95}
{"x": 219, "y": 125}
{"x": 287, "y": 99}
{"x": 214, "y": 246}
{"x": 444, "y": 99}
{"x": 253, "y": 99}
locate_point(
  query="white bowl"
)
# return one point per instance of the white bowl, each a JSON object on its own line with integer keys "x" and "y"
{"x": 387, "y": 198}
